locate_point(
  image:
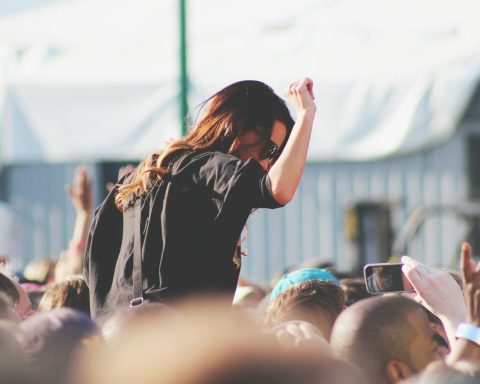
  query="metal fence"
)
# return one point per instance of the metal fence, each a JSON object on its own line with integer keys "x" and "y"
{"x": 312, "y": 225}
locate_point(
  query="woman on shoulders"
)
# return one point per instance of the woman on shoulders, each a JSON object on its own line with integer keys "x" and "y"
{"x": 195, "y": 196}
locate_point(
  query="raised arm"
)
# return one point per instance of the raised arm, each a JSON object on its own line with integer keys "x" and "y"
{"x": 437, "y": 291}
{"x": 468, "y": 344}
{"x": 80, "y": 192}
{"x": 81, "y": 195}
{"x": 285, "y": 174}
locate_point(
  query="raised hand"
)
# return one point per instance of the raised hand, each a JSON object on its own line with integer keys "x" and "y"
{"x": 471, "y": 285}
{"x": 81, "y": 191}
{"x": 437, "y": 291}
{"x": 465, "y": 349}
{"x": 300, "y": 94}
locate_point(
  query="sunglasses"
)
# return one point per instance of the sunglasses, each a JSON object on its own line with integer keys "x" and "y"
{"x": 270, "y": 151}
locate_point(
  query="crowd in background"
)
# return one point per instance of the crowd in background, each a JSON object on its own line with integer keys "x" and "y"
{"x": 313, "y": 324}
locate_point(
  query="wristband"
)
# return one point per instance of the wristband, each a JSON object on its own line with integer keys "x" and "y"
{"x": 469, "y": 332}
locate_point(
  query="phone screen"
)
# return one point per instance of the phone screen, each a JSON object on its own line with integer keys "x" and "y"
{"x": 383, "y": 278}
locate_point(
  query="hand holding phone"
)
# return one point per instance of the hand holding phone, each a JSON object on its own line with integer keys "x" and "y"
{"x": 386, "y": 278}
{"x": 437, "y": 291}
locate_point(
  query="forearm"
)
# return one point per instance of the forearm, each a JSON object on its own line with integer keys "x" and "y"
{"x": 450, "y": 324}
{"x": 82, "y": 224}
{"x": 285, "y": 174}
{"x": 464, "y": 350}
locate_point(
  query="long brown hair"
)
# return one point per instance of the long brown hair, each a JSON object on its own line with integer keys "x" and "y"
{"x": 226, "y": 116}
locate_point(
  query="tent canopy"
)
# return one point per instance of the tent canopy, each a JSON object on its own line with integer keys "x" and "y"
{"x": 98, "y": 80}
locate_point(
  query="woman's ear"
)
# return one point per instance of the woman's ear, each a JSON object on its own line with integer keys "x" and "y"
{"x": 396, "y": 371}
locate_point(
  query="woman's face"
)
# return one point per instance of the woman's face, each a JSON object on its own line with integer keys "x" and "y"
{"x": 249, "y": 150}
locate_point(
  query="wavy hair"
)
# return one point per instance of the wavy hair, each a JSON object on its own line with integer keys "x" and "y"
{"x": 224, "y": 118}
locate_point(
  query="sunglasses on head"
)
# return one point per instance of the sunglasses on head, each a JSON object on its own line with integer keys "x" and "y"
{"x": 270, "y": 151}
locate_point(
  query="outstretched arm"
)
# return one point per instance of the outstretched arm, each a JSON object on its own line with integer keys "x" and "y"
{"x": 80, "y": 192}
{"x": 285, "y": 174}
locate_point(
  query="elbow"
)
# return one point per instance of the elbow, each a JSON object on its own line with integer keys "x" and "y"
{"x": 283, "y": 197}
{"x": 282, "y": 190}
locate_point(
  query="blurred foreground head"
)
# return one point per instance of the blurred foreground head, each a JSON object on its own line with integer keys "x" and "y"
{"x": 51, "y": 339}
{"x": 388, "y": 338}
{"x": 210, "y": 346}
{"x": 13, "y": 365}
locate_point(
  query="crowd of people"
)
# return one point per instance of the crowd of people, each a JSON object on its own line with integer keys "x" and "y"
{"x": 70, "y": 321}
{"x": 312, "y": 325}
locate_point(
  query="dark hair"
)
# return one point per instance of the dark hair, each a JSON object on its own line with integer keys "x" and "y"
{"x": 227, "y": 115}
{"x": 308, "y": 301}
{"x": 6, "y": 307}
{"x": 355, "y": 290}
{"x": 8, "y": 287}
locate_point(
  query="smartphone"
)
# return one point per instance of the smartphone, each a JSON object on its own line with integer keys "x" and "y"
{"x": 385, "y": 278}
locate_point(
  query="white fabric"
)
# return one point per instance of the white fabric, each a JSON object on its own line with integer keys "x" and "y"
{"x": 87, "y": 79}
{"x": 97, "y": 79}
{"x": 75, "y": 123}
{"x": 390, "y": 76}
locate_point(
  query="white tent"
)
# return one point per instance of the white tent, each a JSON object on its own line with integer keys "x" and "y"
{"x": 88, "y": 80}
{"x": 98, "y": 79}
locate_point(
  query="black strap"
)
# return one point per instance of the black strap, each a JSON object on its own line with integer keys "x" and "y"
{"x": 137, "y": 256}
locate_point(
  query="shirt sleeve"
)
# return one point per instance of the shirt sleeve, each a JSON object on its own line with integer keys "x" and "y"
{"x": 231, "y": 180}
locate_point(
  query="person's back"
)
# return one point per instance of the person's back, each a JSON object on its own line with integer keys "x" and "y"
{"x": 186, "y": 233}
{"x": 195, "y": 218}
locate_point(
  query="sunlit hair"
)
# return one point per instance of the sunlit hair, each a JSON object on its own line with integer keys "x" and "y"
{"x": 311, "y": 301}
{"x": 223, "y": 118}
{"x": 72, "y": 292}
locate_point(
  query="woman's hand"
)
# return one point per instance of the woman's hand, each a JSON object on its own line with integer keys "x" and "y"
{"x": 300, "y": 95}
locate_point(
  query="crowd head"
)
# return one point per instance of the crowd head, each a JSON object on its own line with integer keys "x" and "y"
{"x": 316, "y": 325}
{"x": 210, "y": 346}
{"x": 314, "y": 301}
{"x": 389, "y": 337}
